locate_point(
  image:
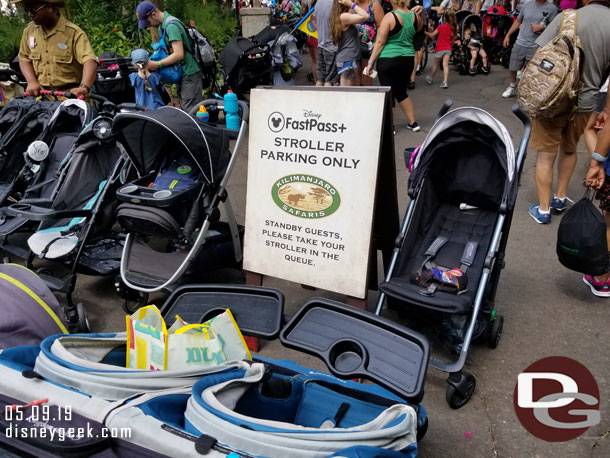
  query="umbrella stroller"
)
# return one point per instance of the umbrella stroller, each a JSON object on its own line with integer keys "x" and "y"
{"x": 21, "y": 121}
{"x": 75, "y": 222}
{"x": 246, "y": 64}
{"x": 448, "y": 258}
{"x": 170, "y": 213}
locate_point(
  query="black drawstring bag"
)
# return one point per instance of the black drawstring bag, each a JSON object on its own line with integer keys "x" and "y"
{"x": 581, "y": 238}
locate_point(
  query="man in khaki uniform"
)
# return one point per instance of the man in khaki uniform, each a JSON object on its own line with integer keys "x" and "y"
{"x": 55, "y": 54}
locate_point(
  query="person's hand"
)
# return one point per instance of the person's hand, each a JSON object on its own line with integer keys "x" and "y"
{"x": 600, "y": 122}
{"x": 506, "y": 41}
{"x": 347, "y": 3}
{"x": 369, "y": 68}
{"x": 33, "y": 89}
{"x": 595, "y": 175}
{"x": 79, "y": 91}
{"x": 418, "y": 9}
{"x": 152, "y": 65}
{"x": 537, "y": 28}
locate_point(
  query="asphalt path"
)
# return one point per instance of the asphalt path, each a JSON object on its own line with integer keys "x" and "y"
{"x": 548, "y": 310}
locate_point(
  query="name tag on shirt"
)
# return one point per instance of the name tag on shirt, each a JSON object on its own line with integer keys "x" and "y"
{"x": 62, "y": 46}
{"x": 32, "y": 42}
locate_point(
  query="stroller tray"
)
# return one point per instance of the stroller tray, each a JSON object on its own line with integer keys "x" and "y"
{"x": 257, "y": 311}
{"x": 141, "y": 192}
{"x": 357, "y": 344}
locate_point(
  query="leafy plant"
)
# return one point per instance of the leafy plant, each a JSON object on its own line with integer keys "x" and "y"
{"x": 11, "y": 29}
{"x": 216, "y": 23}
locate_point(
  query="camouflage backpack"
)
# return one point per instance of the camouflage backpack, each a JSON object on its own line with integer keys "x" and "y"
{"x": 550, "y": 83}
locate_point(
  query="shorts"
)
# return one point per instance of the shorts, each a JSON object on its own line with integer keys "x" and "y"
{"x": 312, "y": 42}
{"x": 476, "y": 44}
{"x": 418, "y": 39}
{"x": 520, "y": 56}
{"x": 547, "y": 136}
{"x": 344, "y": 66}
{"x": 440, "y": 54}
{"x": 601, "y": 101}
{"x": 603, "y": 195}
{"x": 327, "y": 66}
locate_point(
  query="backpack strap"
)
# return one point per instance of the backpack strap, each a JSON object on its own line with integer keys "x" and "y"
{"x": 174, "y": 20}
{"x": 569, "y": 21}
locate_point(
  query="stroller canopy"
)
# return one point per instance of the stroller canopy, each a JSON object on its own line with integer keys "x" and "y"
{"x": 149, "y": 137}
{"x": 472, "y": 145}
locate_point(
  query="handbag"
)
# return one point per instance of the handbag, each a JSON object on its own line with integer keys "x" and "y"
{"x": 171, "y": 74}
{"x": 581, "y": 238}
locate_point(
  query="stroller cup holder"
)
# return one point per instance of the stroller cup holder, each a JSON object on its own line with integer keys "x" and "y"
{"x": 139, "y": 192}
{"x": 357, "y": 344}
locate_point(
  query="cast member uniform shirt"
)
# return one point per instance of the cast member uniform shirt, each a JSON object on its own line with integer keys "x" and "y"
{"x": 57, "y": 56}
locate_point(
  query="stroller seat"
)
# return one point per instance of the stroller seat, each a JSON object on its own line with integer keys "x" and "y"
{"x": 459, "y": 228}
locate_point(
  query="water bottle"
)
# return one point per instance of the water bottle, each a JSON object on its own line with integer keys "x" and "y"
{"x": 231, "y": 111}
{"x": 203, "y": 114}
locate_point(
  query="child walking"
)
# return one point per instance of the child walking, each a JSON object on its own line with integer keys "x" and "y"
{"x": 446, "y": 33}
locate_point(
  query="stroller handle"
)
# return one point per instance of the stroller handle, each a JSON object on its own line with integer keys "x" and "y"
{"x": 66, "y": 94}
{"x": 444, "y": 109}
{"x": 519, "y": 113}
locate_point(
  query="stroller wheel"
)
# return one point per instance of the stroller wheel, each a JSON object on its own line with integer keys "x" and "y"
{"x": 421, "y": 430}
{"x": 83, "y": 320}
{"x": 495, "y": 333}
{"x": 136, "y": 301}
{"x": 460, "y": 390}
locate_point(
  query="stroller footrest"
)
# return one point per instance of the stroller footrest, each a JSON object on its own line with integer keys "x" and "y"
{"x": 35, "y": 213}
{"x": 357, "y": 344}
{"x": 53, "y": 283}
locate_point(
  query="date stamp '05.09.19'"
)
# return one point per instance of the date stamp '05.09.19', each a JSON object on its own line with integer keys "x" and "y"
{"x": 40, "y": 420}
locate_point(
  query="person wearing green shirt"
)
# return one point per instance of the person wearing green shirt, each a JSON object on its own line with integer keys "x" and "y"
{"x": 178, "y": 43}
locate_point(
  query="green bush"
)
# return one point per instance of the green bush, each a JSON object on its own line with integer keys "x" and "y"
{"x": 11, "y": 29}
{"x": 111, "y": 25}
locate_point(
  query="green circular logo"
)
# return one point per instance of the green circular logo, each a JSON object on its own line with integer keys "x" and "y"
{"x": 184, "y": 169}
{"x": 305, "y": 196}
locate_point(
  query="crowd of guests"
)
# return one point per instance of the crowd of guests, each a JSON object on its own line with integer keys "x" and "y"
{"x": 354, "y": 38}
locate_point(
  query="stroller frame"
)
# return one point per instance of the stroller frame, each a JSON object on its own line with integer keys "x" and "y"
{"x": 462, "y": 385}
{"x": 220, "y": 196}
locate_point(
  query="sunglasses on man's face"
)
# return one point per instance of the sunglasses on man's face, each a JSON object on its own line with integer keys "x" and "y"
{"x": 34, "y": 11}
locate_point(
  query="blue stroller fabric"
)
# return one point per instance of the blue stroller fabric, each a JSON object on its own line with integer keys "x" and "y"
{"x": 178, "y": 174}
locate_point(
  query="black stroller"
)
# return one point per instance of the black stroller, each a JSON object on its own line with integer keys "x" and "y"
{"x": 247, "y": 65}
{"x": 21, "y": 121}
{"x": 33, "y": 171}
{"x": 460, "y": 54}
{"x": 448, "y": 258}
{"x": 112, "y": 78}
{"x": 170, "y": 214}
{"x": 74, "y": 216}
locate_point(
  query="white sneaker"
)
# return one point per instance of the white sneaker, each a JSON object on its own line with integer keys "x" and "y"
{"x": 509, "y": 92}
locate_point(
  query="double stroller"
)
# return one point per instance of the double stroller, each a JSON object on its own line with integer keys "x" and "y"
{"x": 450, "y": 252}
{"x": 65, "y": 212}
{"x": 239, "y": 408}
{"x": 170, "y": 212}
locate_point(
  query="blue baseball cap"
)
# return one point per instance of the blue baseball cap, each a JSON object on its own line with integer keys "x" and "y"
{"x": 139, "y": 55}
{"x": 144, "y": 10}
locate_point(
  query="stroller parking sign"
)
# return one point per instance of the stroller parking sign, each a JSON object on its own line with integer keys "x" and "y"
{"x": 312, "y": 176}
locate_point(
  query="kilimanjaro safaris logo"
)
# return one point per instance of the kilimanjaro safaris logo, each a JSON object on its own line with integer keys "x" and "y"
{"x": 305, "y": 196}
